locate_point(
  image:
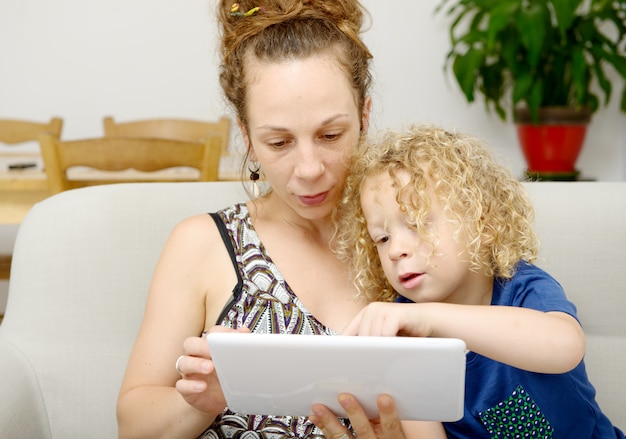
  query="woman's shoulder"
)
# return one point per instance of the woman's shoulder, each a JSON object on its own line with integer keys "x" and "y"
{"x": 234, "y": 213}
{"x": 202, "y": 227}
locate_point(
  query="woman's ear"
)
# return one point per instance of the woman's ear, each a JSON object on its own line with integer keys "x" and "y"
{"x": 365, "y": 115}
{"x": 246, "y": 139}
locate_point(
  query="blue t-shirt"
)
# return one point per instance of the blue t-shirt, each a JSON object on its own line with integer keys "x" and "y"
{"x": 502, "y": 401}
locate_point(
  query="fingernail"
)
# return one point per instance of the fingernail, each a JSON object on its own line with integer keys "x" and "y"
{"x": 206, "y": 366}
{"x": 345, "y": 400}
{"x": 385, "y": 401}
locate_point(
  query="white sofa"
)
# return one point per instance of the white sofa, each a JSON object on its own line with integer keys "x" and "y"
{"x": 83, "y": 261}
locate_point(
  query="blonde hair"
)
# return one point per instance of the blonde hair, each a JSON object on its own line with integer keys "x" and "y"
{"x": 488, "y": 205}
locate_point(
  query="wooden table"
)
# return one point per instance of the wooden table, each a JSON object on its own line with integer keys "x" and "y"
{"x": 20, "y": 189}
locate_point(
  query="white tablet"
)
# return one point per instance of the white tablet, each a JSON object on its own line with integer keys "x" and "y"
{"x": 279, "y": 374}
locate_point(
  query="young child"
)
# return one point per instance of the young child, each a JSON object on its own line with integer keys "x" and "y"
{"x": 430, "y": 216}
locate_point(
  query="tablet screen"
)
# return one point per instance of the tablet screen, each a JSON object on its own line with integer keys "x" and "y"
{"x": 285, "y": 374}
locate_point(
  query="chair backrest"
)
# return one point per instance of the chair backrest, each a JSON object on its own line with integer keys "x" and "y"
{"x": 176, "y": 129}
{"x": 127, "y": 153}
{"x": 17, "y": 131}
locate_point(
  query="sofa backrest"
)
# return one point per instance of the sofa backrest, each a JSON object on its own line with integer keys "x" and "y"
{"x": 82, "y": 264}
{"x": 582, "y": 228}
{"x": 83, "y": 261}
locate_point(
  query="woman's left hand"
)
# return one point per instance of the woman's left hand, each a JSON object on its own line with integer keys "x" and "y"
{"x": 388, "y": 426}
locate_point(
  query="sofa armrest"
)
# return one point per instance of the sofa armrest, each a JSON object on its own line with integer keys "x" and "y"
{"x": 22, "y": 409}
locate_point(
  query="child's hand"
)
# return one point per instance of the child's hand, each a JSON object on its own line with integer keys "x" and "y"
{"x": 390, "y": 319}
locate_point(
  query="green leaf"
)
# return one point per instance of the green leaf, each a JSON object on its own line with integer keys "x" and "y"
{"x": 532, "y": 22}
{"x": 618, "y": 62}
{"x": 537, "y": 52}
{"x": 592, "y": 103}
{"x": 534, "y": 100}
{"x": 465, "y": 68}
{"x": 500, "y": 18}
{"x": 522, "y": 86}
{"x": 579, "y": 74}
{"x": 565, "y": 11}
{"x": 604, "y": 83}
{"x": 492, "y": 81}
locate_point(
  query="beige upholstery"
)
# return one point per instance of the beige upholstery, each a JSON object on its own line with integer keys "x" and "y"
{"x": 582, "y": 227}
{"x": 83, "y": 260}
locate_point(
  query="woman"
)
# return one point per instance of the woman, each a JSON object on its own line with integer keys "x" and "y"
{"x": 297, "y": 75}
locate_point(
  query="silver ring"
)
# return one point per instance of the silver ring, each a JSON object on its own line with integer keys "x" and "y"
{"x": 178, "y": 366}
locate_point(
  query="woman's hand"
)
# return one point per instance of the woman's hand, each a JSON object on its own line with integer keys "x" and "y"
{"x": 388, "y": 426}
{"x": 199, "y": 384}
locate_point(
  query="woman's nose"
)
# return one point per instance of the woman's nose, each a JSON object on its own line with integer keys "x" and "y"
{"x": 309, "y": 163}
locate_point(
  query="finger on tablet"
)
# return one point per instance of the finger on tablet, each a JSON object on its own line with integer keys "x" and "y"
{"x": 328, "y": 422}
{"x": 196, "y": 347}
{"x": 389, "y": 421}
{"x": 362, "y": 426}
{"x": 353, "y": 326}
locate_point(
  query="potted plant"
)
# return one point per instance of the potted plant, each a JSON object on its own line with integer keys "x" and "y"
{"x": 543, "y": 61}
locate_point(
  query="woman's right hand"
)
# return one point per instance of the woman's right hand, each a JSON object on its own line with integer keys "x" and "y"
{"x": 388, "y": 426}
{"x": 199, "y": 384}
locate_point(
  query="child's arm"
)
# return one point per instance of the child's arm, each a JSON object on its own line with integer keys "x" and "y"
{"x": 536, "y": 341}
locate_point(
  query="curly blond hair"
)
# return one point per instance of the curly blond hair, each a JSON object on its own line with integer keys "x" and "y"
{"x": 487, "y": 204}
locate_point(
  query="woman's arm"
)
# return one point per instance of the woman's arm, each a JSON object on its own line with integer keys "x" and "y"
{"x": 192, "y": 281}
{"x": 545, "y": 342}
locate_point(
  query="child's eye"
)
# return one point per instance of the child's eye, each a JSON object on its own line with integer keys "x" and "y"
{"x": 381, "y": 240}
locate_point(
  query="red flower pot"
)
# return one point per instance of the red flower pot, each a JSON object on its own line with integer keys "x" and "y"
{"x": 551, "y": 147}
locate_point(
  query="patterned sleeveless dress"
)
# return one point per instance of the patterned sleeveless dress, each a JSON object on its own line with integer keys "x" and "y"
{"x": 263, "y": 302}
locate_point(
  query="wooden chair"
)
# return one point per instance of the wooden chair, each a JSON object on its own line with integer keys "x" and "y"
{"x": 142, "y": 156}
{"x": 14, "y": 131}
{"x": 177, "y": 129}
{"x": 18, "y": 131}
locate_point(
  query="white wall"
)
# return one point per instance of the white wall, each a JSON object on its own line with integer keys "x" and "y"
{"x": 84, "y": 59}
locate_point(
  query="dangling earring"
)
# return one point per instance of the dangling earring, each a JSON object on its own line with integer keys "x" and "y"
{"x": 254, "y": 169}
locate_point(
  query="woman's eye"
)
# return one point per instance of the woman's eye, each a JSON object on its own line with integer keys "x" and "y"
{"x": 330, "y": 137}
{"x": 278, "y": 144}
